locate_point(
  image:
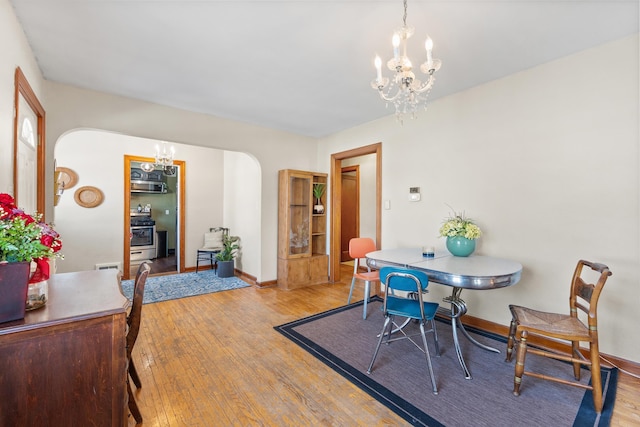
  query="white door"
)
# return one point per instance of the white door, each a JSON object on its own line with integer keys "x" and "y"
{"x": 27, "y": 157}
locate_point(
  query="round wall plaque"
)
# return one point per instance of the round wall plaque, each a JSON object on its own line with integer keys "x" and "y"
{"x": 88, "y": 197}
{"x": 68, "y": 177}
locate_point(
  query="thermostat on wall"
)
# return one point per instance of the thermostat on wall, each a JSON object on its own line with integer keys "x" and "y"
{"x": 414, "y": 194}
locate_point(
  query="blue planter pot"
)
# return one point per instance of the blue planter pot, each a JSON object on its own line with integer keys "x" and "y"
{"x": 461, "y": 246}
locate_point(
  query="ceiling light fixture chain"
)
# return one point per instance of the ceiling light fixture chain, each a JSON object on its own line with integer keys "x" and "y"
{"x": 404, "y": 90}
{"x": 404, "y": 17}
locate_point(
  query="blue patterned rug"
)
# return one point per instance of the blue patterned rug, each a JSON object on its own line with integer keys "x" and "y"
{"x": 163, "y": 288}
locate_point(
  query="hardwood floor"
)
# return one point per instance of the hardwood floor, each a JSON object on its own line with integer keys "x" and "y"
{"x": 216, "y": 360}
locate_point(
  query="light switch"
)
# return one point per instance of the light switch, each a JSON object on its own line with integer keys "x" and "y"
{"x": 166, "y": 212}
{"x": 387, "y": 204}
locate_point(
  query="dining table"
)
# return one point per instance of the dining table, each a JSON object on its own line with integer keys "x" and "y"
{"x": 475, "y": 272}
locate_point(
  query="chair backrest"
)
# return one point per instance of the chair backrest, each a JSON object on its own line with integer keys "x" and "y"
{"x": 584, "y": 295}
{"x": 402, "y": 279}
{"x": 406, "y": 280}
{"x": 359, "y": 247}
{"x": 214, "y": 238}
{"x": 135, "y": 315}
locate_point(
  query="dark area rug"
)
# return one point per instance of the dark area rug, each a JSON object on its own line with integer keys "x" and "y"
{"x": 174, "y": 286}
{"x": 400, "y": 380}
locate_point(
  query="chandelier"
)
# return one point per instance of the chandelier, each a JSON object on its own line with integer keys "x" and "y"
{"x": 404, "y": 90}
{"x": 163, "y": 159}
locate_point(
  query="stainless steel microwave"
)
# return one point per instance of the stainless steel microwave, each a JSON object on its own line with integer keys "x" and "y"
{"x": 148, "y": 187}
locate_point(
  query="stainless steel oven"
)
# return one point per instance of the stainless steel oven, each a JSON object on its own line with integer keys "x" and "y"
{"x": 143, "y": 238}
{"x": 143, "y": 242}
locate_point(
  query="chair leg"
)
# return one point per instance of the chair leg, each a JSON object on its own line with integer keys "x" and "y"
{"x": 353, "y": 282}
{"x": 197, "y": 262}
{"x": 367, "y": 292}
{"x": 521, "y": 354}
{"x": 510, "y": 340}
{"x": 596, "y": 380}
{"x": 575, "y": 348}
{"x": 428, "y": 356}
{"x": 133, "y": 406}
{"x": 134, "y": 374}
{"x": 387, "y": 325}
{"x": 435, "y": 336}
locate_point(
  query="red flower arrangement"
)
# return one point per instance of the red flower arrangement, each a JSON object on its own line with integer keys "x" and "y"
{"x": 24, "y": 237}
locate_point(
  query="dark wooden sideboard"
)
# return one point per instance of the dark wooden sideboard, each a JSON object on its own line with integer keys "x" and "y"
{"x": 65, "y": 364}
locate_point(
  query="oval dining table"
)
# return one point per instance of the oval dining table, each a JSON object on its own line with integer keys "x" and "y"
{"x": 477, "y": 272}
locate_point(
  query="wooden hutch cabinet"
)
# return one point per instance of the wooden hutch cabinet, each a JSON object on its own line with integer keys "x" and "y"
{"x": 302, "y": 230}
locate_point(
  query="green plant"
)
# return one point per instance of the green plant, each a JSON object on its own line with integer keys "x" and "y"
{"x": 24, "y": 237}
{"x": 230, "y": 248}
{"x": 318, "y": 190}
{"x": 460, "y": 226}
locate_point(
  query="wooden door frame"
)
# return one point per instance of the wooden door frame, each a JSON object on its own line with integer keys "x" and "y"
{"x": 127, "y": 210}
{"x": 22, "y": 87}
{"x": 336, "y": 202}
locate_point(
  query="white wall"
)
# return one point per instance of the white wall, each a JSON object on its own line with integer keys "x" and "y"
{"x": 546, "y": 161}
{"x": 14, "y": 52}
{"x": 71, "y": 108}
{"x": 95, "y": 235}
{"x": 242, "y": 205}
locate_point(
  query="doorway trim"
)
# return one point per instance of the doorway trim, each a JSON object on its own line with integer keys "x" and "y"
{"x": 336, "y": 202}
{"x": 127, "y": 209}
{"x": 22, "y": 87}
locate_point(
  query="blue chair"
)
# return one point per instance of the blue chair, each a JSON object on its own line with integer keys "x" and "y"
{"x": 414, "y": 283}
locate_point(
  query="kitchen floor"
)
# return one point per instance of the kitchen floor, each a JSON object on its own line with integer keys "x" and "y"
{"x": 164, "y": 265}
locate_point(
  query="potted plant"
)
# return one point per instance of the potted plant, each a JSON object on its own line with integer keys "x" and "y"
{"x": 24, "y": 240}
{"x": 461, "y": 234}
{"x": 318, "y": 191}
{"x": 225, "y": 259}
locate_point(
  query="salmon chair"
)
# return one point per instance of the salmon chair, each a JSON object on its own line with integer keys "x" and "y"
{"x": 359, "y": 247}
{"x": 567, "y": 327}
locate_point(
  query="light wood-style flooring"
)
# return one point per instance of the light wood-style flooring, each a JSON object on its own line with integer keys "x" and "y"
{"x": 215, "y": 360}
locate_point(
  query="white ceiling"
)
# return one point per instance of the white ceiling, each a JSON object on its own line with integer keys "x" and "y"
{"x": 303, "y": 66}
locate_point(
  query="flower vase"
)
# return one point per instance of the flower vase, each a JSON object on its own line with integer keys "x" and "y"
{"x": 461, "y": 246}
{"x": 14, "y": 283}
{"x": 38, "y": 286}
{"x": 37, "y": 295}
{"x": 318, "y": 208}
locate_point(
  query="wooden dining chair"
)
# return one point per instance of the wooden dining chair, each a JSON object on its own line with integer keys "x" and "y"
{"x": 567, "y": 327}
{"x": 407, "y": 303}
{"x": 359, "y": 247}
{"x": 133, "y": 325}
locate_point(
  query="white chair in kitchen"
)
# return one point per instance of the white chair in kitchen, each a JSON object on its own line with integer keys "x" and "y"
{"x": 212, "y": 247}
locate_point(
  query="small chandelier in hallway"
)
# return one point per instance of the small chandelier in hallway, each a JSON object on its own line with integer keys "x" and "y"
{"x": 404, "y": 90}
{"x": 163, "y": 159}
